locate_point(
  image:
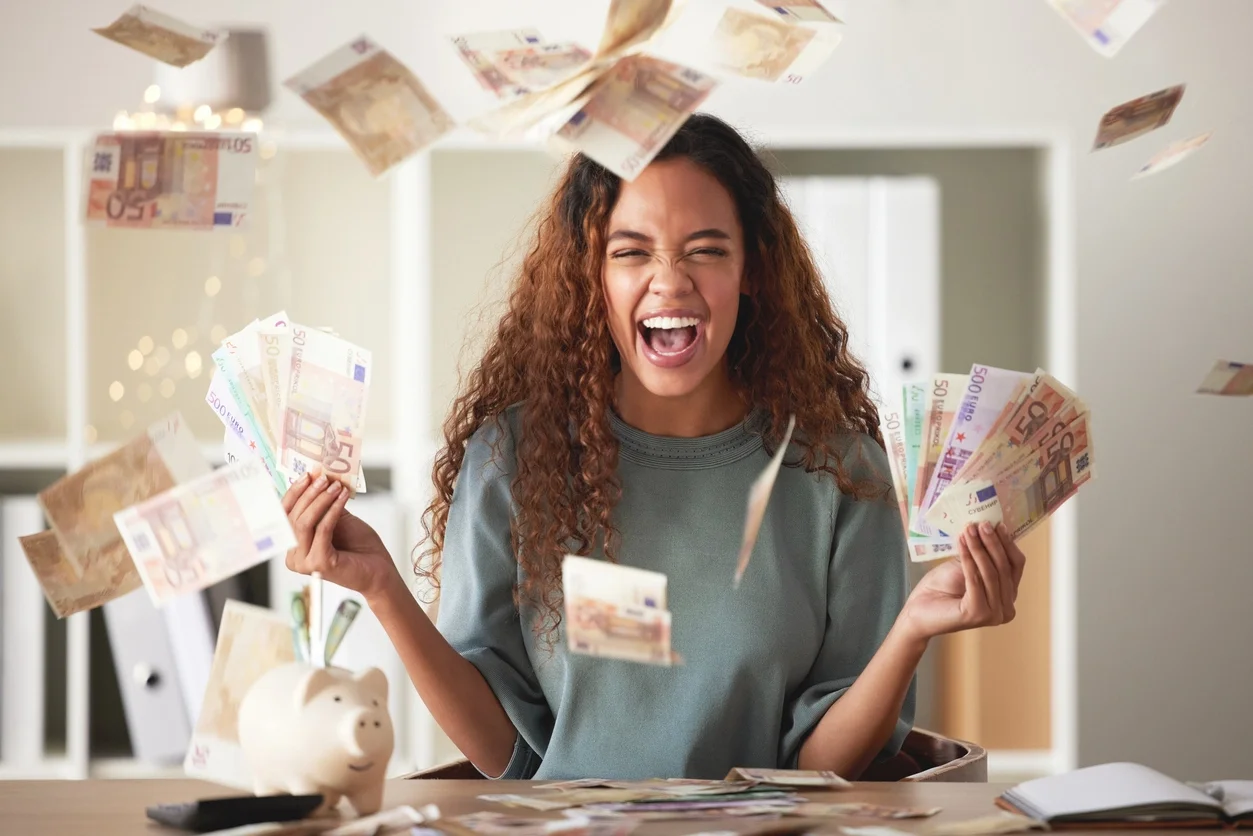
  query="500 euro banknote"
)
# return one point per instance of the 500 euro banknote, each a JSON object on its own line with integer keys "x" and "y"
{"x": 201, "y": 532}
{"x": 170, "y": 180}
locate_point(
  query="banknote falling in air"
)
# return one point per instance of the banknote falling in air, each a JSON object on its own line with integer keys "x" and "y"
{"x": 1107, "y": 25}
{"x": 162, "y": 37}
{"x": 478, "y": 50}
{"x": 1013, "y": 448}
{"x": 1228, "y": 378}
{"x": 376, "y": 104}
{"x": 769, "y": 48}
{"x": 170, "y": 180}
{"x": 1172, "y": 155}
{"x": 82, "y": 561}
{"x": 194, "y": 535}
{"x": 294, "y": 397}
{"x": 1138, "y": 117}
{"x": 806, "y": 11}
{"x": 633, "y": 111}
{"x": 251, "y": 642}
{"x": 758, "y": 498}
{"x": 616, "y": 612}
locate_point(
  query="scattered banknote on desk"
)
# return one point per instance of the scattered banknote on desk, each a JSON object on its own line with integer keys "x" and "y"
{"x": 1107, "y": 25}
{"x": 209, "y": 529}
{"x": 376, "y": 104}
{"x": 170, "y": 179}
{"x": 160, "y": 36}
{"x": 1172, "y": 155}
{"x": 616, "y": 612}
{"x": 994, "y": 445}
{"x": 1138, "y": 117}
{"x": 862, "y": 810}
{"x": 996, "y": 823}
{"x": 293, "y": 397}
{"x": 1228, "y": 378}
{"x": 823, "y": 778}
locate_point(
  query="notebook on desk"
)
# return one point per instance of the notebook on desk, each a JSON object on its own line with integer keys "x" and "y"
{"x": 1130, "y": 795}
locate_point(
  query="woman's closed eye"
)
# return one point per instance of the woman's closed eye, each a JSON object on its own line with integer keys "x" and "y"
{"x": 699, "y": 254}
{"x": 628, "y": 255}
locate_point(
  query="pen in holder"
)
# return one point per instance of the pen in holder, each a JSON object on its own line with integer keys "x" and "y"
{"x": 317, "y": 642}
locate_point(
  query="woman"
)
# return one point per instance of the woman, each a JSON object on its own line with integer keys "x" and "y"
{"x": 658, "y": 336}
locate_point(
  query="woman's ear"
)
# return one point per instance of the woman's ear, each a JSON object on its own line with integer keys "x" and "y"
{"x": 746, "y": 288}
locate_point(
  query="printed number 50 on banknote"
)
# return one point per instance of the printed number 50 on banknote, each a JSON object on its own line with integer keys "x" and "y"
{"x": 174, "y": 180}
{"x": 324, "y": 422}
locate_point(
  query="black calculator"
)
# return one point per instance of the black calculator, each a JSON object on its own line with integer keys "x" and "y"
{"x": 209, "y": 814}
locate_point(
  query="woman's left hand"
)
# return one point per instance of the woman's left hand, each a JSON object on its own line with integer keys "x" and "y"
{"x": 977, "y": 589}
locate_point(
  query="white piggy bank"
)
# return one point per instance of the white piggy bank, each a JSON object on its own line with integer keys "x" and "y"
{"x": 306, "y": 730}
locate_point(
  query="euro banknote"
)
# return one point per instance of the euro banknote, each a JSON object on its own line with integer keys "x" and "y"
{"x": 68, "y": 592}
{"x": 616, "y": 612}
{"x": 1172, "y": 155}
{"x": 862, "y": 810}
{"x": 161, "y": 36}
{"x": 987, "y": 390}
{"x": 632, "y": 111}
{"x": 1228, "y": 378}
{"x": 81, "y": 505}
{"x": 201, "y": 532}
{"x": 170, "y": 179}
{"x": 758, "y": 498}
{"x": 631, "y": 23}
{"x": 251, "y": 641}
{"x": 942, "y": 399}
{"x": 289, "y": 395}
{"x": 542, "y": 65}
{"x": 768, "y": 48}
{"x": 325, "y": 410}
{"x": 1028, "y": 490}
{"x": 1107, "y": 25}
{"x": 1138, "y": 117}
{"x": 376, "y": 103}
{"x": 806, "y": 11}
{"x": 892, "y": 427}
{"x": 478, "y": 51}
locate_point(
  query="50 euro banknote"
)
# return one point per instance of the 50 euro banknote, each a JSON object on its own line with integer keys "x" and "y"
{"x": 616, "y": 612}
{"x": 161, "y": 36}
{"x": 1027, "y": 491}
{"x": 324, "y": 411}
{"x": 170, "y": 179}
{"x": 205, "y": 530}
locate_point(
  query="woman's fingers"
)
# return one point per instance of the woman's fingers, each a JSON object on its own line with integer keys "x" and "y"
{"x": 294, "y": 491}
{"x": 1017, "y": 560}
{"x": 306, "y": 524}
{"x": 316, "y": 486}
{"x": 1005, "y": 591}
{"x": 325, "y": 529}
{"x": 975, "y": 598}
{"x": 987, "y": 574}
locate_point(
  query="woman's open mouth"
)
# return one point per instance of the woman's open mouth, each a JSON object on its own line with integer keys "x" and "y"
{"x": 670, "y": 341}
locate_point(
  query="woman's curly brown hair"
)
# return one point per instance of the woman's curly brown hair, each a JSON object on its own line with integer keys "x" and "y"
{"x": 553, "y": 354}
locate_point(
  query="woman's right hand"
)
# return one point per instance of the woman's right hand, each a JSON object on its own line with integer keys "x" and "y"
{"x": 333, "y": 542}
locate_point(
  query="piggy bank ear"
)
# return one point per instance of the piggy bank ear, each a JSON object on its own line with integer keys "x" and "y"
{"x": 374, "y": 682}
{"x": 312, "y": 683}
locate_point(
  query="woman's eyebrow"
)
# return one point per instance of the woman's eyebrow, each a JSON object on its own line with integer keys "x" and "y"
{"x": 632, "y": 235}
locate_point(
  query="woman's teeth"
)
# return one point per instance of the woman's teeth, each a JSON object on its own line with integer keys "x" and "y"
{"x": 669, "y": 322}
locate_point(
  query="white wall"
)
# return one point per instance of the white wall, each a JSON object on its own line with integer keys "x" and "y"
{"x": 1164, "y": 271}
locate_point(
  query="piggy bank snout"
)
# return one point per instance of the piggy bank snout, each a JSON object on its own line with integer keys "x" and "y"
{"x": 365, "y": 731}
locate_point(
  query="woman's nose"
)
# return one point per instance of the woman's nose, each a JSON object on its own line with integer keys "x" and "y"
{"x": 669, "y": 278}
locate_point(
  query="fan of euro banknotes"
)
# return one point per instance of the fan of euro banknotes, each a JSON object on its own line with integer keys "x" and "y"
{"x": 154, "y": 513}
{"x": 992, "y": 445}
{"x": 294, "y": 398}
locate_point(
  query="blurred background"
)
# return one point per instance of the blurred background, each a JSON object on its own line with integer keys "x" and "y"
{"x": 940, "y": 166}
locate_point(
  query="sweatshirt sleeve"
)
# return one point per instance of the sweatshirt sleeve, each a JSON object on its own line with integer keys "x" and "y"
{"x": 867, "y": 585}
{"x": 477, "y": 614}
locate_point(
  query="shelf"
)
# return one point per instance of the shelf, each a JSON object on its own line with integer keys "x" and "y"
{"x": 129, "y": 768}
{"x": 30, "y": 455}
{"x": 52, "y": 768}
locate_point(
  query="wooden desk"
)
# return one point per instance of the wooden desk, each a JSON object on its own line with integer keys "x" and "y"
{"x": 116, "y": 807}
